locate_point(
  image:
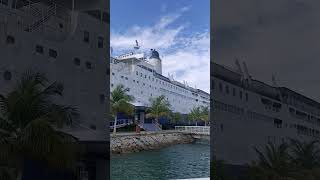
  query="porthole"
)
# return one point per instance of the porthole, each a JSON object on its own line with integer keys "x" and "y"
{"x": 102, "y": 98}
{"x": 76, "y": 61}
{"x": 7, "y": 75}
{"x": 88, "y": 65}
{"x": 10, "y": 40}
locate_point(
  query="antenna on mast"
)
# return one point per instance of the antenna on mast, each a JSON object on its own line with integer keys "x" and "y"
{"x": 238, "y": 66}
{"x": 274, "y": 82}
{"x": 137, "y": 45}
{"x": 246, "y": 72}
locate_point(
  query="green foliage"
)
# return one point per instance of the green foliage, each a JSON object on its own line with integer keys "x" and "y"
{"x": 160, "y": 107}
{"x": 175, "y": 117}
{"x": 295, "y": 161}
{"x": 120, "y": 101}
{"x": 204, "y": 114}
{"x": 29, "y": 122}
{"x": 195, "y": 114}
{"x": 199, "y": 113}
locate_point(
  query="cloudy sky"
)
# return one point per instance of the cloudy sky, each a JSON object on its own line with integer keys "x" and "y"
{"x": 280, "y": 37}
{"x": 179, "y": 30}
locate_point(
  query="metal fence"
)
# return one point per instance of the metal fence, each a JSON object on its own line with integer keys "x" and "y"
{"x": 194, "y": 129}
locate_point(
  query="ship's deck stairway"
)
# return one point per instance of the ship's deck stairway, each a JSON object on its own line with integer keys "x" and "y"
{"x": 43, "y": 17}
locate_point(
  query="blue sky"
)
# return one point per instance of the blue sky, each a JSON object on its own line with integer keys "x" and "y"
{"x": 178, "y": 29}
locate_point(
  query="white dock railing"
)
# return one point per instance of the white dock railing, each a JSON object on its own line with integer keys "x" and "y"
{"x": 205, "y": 130}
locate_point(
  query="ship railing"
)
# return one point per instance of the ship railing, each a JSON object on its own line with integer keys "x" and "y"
{"x": 38, "y": 13}
{"x": 119, "y": 124}
{"x": 194, "y": 129}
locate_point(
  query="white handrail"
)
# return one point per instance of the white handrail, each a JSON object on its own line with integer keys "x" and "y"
{"x": 194, "y": 129}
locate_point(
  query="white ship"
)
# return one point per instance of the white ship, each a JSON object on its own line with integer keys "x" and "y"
{"x": 67, "y": 40}
{"x": 248, "y": 113}
{"x": 141, "y": 73}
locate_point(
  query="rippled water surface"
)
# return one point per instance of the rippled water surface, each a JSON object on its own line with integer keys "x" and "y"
{"x": 179, "y": 161}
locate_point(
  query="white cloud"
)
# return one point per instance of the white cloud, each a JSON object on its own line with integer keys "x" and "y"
{"x": 191, "y": 63}
{"x": 186, "y": 57}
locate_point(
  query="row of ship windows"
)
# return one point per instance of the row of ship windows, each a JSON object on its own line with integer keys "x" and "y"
{"x": 157, "y": 81}
{"x": 303, "y": 130}
{"x": 163, "y": 83}
{"x": 39, "y": 49}
{"x": 86, "y": 38}
{"x": 303, "y": 116}
{"x": 4, "y": 2}
{"x": 227, "y": 90}
{"x": 128, "y": 89}
{"x": 171, "y": 92}
{"x": 256, "y": 116}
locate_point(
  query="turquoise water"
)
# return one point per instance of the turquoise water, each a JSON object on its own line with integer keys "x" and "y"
{"x": 178, "y": 161}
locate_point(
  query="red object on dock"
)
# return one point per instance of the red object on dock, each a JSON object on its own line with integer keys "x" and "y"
{"x": 137, "y": 129}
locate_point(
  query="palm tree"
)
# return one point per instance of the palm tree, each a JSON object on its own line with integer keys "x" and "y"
{"x": 204, "y": 114}
{"x": 120, "y": 103}
{"x": 272, "y": 164}
{"x": 175, "y": 117}
{"x": 195, "y": 114}
{"x": 160, "y": 107}
{"x": 29, "y": 126}
{"x": 305, "y": 154}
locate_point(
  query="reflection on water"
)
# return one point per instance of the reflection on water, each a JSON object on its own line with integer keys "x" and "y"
{"x": 175, "y": 162}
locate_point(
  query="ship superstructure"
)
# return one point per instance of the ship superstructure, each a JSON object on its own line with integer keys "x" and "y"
{"x": 142, "y": 75}
{"x": 248, "y": 113}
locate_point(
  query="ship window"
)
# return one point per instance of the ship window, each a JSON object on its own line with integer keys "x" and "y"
{"x": 100, "y": 42}
{"x": 234, "y": 91}
{"x": 10, "y": 39}
{"x": 138, "y": 82}
{"x": 220, "y": 87}
{"x": 122, "y": 77}
{"x": 60, "y": 25}
{"x": 111, "y": 85}
{"x": 7, "y": 75}
{"x": 144, "y": 84}
{"x": 76, "y": 61}
{"x": 86, "y": 36}
{"x": 145, "y": 76}
{"x": 5, "y": 2}
{"x": 102, "y": 98}
{"x": 126, "y": 78}
{"x": 53, "y": 53}
{"x": 246, "y": 96}
{"x": 240, "y": 94}
{"x": 137, "y": 73}
{"x": 88, "y": 65}
{"x": 140, "y": 74}
{"x": 39, "y": 49}
{"x": 112, "y": 73}
{"x": 227, "y": 89}
{"x": 134, "y": 80}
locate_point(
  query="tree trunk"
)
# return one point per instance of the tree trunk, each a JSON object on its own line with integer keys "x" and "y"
{"x": 196, "y": 123}
{"x": 115, "y": 125}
